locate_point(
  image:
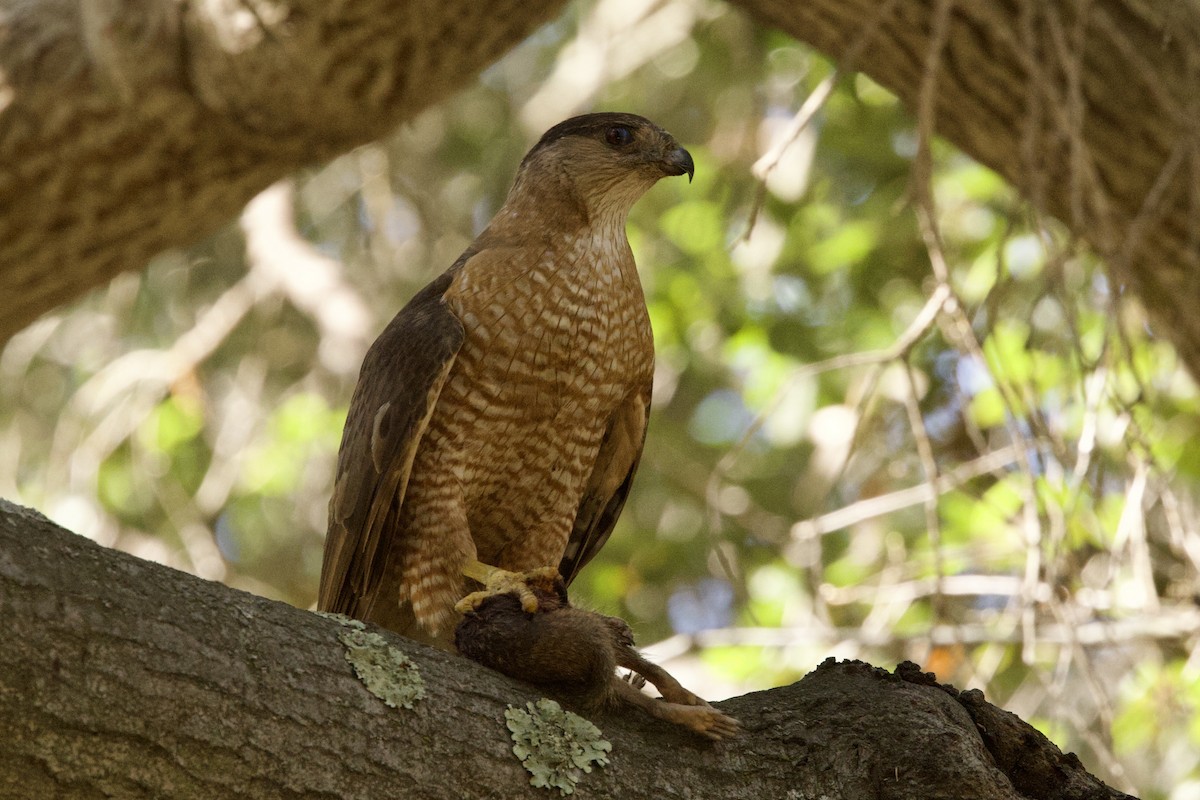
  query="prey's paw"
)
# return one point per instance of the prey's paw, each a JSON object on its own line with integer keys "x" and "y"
{"x": 619, "y": 630}
{"x": 703, "y": 719}
{"x": 635, "y": 680}
{"x": 522, "y": 584}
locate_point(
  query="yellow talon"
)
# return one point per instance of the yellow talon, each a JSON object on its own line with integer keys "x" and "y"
{"x": 501, "y": 581}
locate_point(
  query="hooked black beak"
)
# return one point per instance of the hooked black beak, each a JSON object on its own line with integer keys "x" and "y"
{"x": 679, "y": 162}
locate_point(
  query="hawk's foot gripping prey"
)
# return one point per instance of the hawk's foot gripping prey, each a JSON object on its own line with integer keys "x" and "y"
{"x": 500, "y": 581}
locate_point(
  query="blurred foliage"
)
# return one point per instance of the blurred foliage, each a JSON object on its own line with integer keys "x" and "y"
{"x": 1046, "y": 548}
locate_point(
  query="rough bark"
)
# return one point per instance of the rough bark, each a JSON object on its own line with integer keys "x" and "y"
{"x": 1088, "y": 107}
{"x": 122, "y": 678}
{"x": 129, "y": 126}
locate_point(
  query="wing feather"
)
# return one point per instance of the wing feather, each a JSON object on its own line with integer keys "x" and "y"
{"x": 401, "y": 378}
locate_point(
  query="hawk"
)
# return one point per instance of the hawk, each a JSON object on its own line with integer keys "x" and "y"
{"x": 499, "y": 418}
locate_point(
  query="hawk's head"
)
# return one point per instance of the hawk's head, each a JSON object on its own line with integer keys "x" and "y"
{"x": 609, "y": 159}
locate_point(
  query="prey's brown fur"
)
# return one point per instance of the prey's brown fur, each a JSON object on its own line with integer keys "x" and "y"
{"x": 573, "y": 653}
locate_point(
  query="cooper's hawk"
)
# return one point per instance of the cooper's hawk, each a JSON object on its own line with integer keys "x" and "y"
{"x": 499, "y": 418}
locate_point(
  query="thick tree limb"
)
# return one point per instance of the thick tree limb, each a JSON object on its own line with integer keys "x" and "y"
{"x": 122, "y": 678}
{"x": 1088, "y": 107}
{"x": 129, "y": 126}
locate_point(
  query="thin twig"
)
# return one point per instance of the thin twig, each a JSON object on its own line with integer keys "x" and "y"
{"x": 808, "y": 110}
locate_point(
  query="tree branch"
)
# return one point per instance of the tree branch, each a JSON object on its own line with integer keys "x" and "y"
{"x": 130, "y": 126}
{"x": 123, "y": 678}
{"x": 1088, "y": 107}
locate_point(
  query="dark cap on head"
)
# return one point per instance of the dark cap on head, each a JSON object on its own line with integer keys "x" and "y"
{"x": 602, "y": 126}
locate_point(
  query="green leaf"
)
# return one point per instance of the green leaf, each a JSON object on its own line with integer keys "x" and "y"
{"x": 697, "y": 227}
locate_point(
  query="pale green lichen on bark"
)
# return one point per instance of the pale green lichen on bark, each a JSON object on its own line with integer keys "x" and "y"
{"x": 349, "y": 622}
{"x": 555, "y": 746}
{"x": 385, "y": 671}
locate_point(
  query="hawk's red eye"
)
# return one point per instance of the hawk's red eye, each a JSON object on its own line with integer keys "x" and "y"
{"x": 618, "y": 136}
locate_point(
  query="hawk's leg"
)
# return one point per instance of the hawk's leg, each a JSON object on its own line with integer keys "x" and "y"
{"x": 500, "y": 581}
